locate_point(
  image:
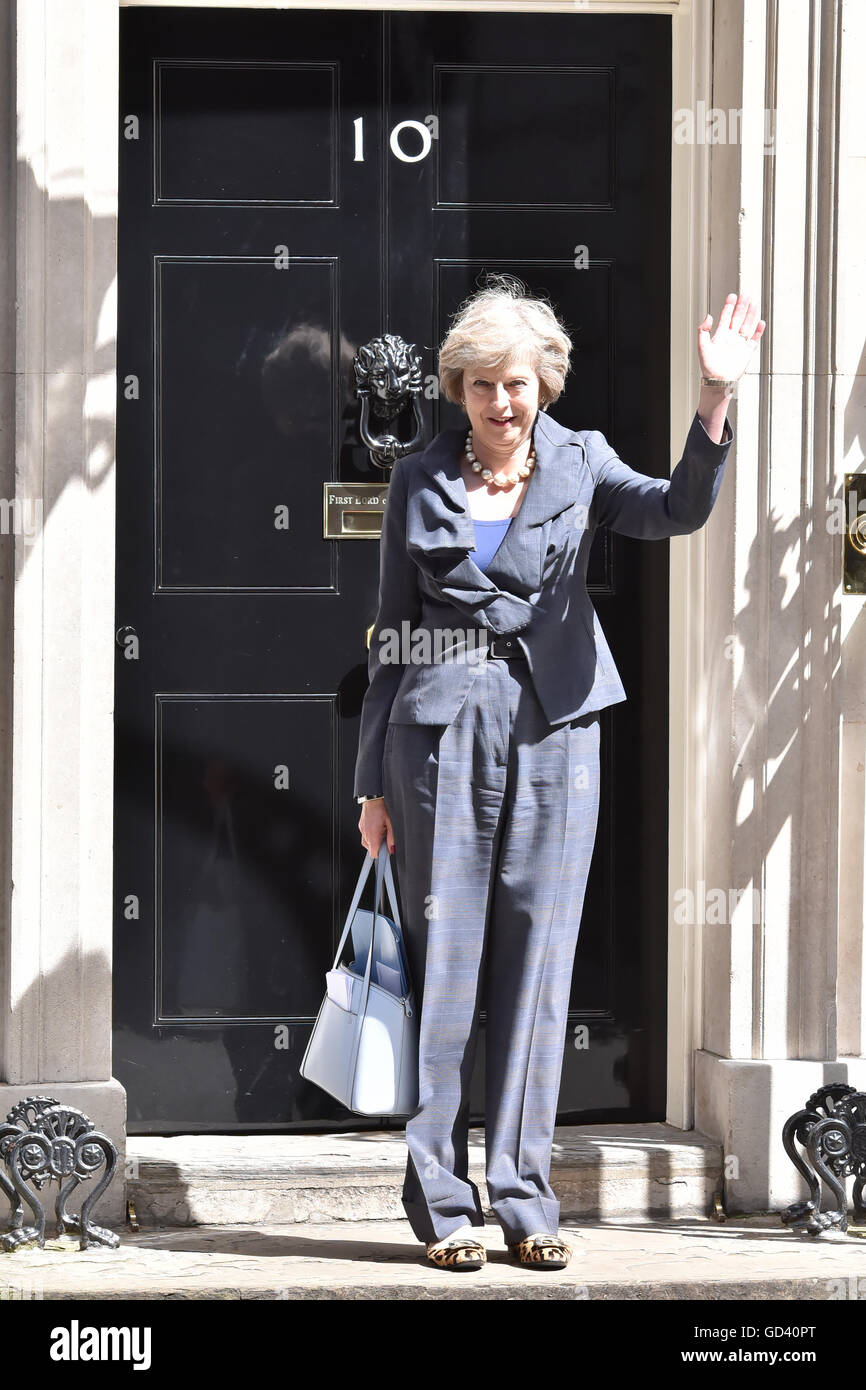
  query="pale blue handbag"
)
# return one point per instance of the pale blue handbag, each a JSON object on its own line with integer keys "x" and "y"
{"x": 363, "y": 1049}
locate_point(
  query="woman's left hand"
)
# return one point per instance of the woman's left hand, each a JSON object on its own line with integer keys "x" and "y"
{"x": 726, "y": 354}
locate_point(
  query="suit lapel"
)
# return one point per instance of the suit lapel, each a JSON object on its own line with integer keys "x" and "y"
{"x": 440, "y": 520}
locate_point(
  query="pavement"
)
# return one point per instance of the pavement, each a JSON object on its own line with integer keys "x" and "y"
{"x": 742, "y": 1258}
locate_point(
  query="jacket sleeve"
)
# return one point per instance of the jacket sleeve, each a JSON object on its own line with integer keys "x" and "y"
{"x": 399, "y": 602}
{"x": 636, "y": 504}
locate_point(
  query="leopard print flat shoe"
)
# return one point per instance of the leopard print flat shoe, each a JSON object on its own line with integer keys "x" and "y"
{"x": 542, "y": 1249}
{"x": 459, "y": 1253}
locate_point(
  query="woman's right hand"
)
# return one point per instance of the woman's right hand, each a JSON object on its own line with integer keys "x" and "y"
{"x": 374, "y": 824}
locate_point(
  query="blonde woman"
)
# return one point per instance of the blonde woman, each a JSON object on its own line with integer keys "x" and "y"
{"x": 478, "y": 752}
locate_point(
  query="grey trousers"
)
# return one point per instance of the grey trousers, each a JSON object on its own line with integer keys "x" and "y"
{"x": 494, "y": 819}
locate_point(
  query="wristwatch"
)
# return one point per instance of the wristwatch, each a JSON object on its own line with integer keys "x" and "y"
{"x": 359, "y": 799}
{"x": 728, "y": 386}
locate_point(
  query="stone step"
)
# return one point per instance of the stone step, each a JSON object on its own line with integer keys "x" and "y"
{"x": 598, "y": 1172}
{"x": 747, "y": 1257}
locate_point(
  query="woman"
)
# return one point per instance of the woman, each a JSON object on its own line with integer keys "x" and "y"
{"x": 478, "y": 752}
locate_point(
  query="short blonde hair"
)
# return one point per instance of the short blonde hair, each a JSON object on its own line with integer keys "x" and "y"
{"x": 499, "y": 325}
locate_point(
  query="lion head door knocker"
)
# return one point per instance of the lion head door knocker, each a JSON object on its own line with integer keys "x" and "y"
{"x": 388, "y": 382}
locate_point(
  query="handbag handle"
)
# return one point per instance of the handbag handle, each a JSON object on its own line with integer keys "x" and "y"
{"x": 359, "y": 888}
{"x": 382, "y": 860}
{"x": 383, "y": 871}
{"x": 368, "y": 970}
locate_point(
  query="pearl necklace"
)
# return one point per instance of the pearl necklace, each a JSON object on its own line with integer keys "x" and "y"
{"x": 500, "y": 479}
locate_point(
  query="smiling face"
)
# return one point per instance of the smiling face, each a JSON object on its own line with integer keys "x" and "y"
{"x": 502, "y": 405}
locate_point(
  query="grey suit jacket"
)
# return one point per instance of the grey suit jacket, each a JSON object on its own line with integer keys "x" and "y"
{"x": 437, "y": 609}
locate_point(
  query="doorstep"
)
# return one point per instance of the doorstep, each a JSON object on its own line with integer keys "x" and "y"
{"x": 750, "y": 1258}
{"x": 638, "y": 1172}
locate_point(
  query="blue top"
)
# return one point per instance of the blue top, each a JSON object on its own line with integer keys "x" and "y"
{"x": 488, "y": 539}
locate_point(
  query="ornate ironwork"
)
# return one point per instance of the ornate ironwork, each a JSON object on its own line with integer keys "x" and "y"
{"x": 41, "y": 1141}
{"x": 387, "y": 381}
{"x": 832, "y": 1130}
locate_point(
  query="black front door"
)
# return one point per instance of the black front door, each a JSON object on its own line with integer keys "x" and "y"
{"x": 293, "y": 184}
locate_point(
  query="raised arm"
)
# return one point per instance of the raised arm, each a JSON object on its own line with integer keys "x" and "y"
{"x": 636, "y": 504}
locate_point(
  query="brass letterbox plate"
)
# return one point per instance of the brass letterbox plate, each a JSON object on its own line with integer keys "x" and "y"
{"x": 854, "y": 552}
{"x": 353, "y": 511}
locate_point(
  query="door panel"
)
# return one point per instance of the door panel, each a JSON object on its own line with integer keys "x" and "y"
{"x": 269, "y": 428}
{"x": 257, "y": 251}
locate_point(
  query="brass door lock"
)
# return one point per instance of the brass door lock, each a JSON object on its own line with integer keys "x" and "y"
{"x": 854, "y": 547}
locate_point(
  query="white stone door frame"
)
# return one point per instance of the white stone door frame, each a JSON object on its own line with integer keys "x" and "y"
{"x": 56, "y": 1026}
